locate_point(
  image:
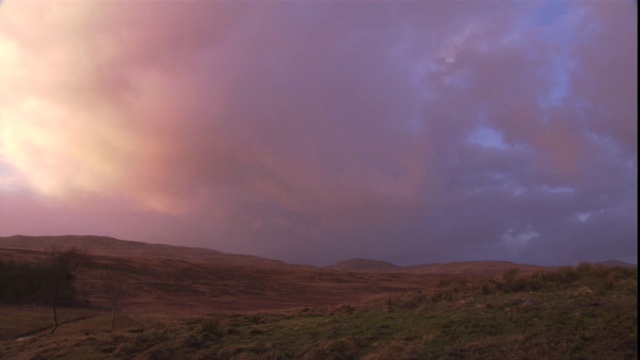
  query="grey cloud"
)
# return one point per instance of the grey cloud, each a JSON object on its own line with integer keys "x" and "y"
{"x": 317, "y": 131}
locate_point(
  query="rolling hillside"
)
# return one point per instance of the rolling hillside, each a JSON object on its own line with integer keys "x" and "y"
{"x": 197, "y": 280}
{"x": 363, "y": 265}
{"x": 198, "y": 304}
{"x": 200, "y": 280}
{"x": 458, "y": 268}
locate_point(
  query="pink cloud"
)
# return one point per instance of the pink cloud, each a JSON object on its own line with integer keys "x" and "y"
{"x": 315, "y": 126}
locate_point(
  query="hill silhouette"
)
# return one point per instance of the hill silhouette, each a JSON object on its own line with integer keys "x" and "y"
{"x": 365, "y": 265}
{"x": 463, "y": 268}
{"x": 204, "y": 280}
{"x": 185, "y": 279}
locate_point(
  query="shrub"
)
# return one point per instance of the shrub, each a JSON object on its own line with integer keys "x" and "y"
{"x": 443, "y": 294}
{"x": 564, "y": 275}
{"x": 256, "y": 318}
{"x": 513, "y": 281}
{"x": 24, "y": 282}
{"x": 210, "y": 325}
{"x": 585, "y": 267}
{"x": 488, "y": 288}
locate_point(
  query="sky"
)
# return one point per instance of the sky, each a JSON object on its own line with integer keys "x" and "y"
{"x": 317, "y": 131}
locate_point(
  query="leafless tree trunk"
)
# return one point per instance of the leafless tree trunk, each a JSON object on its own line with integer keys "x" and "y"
{"x": 62, "y": 266}
{"x": 114, "y": 282}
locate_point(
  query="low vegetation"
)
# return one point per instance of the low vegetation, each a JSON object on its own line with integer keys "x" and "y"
{"x": 584, "y": 312}
{"x": 23, "y": 282}
{"x": 41, "y": 282}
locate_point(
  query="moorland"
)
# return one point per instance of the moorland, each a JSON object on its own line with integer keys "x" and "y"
{"x": 193, "y": 303}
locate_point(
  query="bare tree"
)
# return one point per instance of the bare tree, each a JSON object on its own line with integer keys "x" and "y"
{"x": 114, "y": 282}
{"x": 62, "y": 266}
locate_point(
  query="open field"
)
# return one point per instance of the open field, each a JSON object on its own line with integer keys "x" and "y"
{"x": 200, "y": 309}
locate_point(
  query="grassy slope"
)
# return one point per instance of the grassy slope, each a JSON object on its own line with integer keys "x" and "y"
{"x": 188, "y": 280}
{"x": 584, "y": 313}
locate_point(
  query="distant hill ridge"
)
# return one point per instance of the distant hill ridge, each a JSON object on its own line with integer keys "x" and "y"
{"x": 196, "y": 279}
{"x": 363, "y": 265}
{"x": 488, "y": 267}
{"x": 615, "y": 263}
{"x": 108, "y": 246}
{"x": 200, "y": 280}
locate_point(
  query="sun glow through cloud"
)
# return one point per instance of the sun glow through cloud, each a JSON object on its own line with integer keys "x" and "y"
{"x": 417, "y": 131}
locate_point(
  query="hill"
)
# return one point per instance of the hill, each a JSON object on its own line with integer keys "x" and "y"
{"x": 471, "y": 268}
{"x": 615, "y": 263}
{"x": 111, "y": 247}
{"x": 198, "y": 280}
{"x": 191, "y": 280}
{"x": 364, "y": 265}
{"x": 457, "y": 268}
{"x": 579, "y": 312}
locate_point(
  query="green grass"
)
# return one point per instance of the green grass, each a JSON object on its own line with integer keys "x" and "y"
{"x": 571, "y": 313}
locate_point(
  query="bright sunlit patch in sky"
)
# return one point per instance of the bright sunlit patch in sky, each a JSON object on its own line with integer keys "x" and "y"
{"x": 53, "y": 154}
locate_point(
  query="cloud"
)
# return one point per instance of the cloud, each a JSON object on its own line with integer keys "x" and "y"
{"x": 317, "y": 131}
